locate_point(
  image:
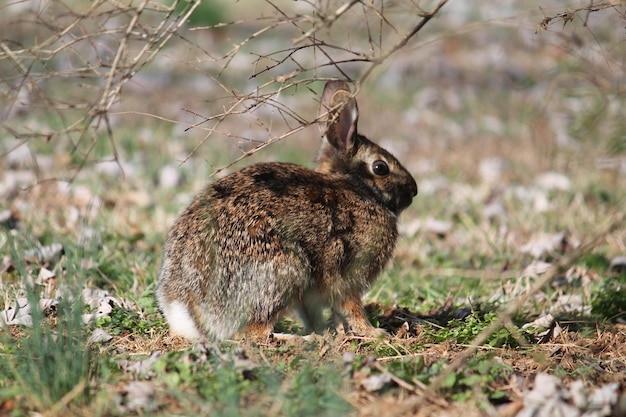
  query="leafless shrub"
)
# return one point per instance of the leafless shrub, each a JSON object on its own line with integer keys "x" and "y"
{"x": 65, "y": 64}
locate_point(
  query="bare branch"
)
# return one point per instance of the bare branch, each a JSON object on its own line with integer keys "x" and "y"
{"x": 425, "y": 19}
{"x": 83, "y": 60}
{"x": 569, "y": 15}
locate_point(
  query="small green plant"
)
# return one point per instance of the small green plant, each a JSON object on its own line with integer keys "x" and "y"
{"x": 122, "y": 321}
{"x": 464, "y": 331}
{"x": 480, "y": 372}
{"x": 226, "y": 384}
{"x": 609, "y": 301}
{"x": 595, "y": 260}
{"x": 225, "y": 388}
{"x": 313, "y": 392}
{"x": 409, "y": 369}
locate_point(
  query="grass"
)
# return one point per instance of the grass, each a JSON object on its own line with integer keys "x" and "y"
{"x": 608, "y": 303}
{"x": 48, "y": 365}
{"x": 304, "y": 378}
{"x": 442, "y": 289}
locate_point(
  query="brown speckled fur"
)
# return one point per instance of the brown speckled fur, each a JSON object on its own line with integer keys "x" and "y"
{"x": 277, "y": 235}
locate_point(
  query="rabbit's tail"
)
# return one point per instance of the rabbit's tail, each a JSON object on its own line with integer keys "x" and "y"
{"x": 179, "y": 319}
{"x": 181, "y": 322}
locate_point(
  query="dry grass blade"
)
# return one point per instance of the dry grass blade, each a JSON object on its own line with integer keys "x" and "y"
{"x": 76, "y": 392}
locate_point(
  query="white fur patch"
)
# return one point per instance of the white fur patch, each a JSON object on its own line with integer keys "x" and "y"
{"x": 180, "y": 320}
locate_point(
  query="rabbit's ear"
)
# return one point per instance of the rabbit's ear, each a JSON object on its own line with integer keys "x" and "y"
{"x": 341, "y": 114}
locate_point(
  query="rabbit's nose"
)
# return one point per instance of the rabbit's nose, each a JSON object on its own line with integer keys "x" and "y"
{"x": 414, "y": 188}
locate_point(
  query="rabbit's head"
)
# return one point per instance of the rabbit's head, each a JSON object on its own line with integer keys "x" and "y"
{"x": 345, "y": 152}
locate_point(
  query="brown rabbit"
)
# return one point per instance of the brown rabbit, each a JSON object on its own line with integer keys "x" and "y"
{"x": 278, "y": 235}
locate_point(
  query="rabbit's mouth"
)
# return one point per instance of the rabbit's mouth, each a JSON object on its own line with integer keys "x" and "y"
{"x": 404, "y": 202}
{"x": 405, "y": 198}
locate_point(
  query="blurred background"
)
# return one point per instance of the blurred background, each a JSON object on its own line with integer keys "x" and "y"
{"x": 508, "y": 113}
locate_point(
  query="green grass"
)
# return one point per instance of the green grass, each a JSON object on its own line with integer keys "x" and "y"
{"x": 464, "y": 331}
{"x": 482, "y": 372}
{"x": 608, "y": 302}
{"x": 286, "y": 379}
{"x": 49, "y": 365}
{"x": 208, "y": 13}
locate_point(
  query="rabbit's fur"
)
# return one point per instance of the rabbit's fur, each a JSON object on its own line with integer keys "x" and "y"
{"x": 277, "y": 235}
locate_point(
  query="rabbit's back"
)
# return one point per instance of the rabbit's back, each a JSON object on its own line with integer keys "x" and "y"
{"x": 268, "y": 211}
{"x": 260, "y": 239}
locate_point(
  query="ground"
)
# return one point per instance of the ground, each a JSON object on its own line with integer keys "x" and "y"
{"x": 514, "y": 132}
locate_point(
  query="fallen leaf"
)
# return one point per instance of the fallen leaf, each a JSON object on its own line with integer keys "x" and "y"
{"x": 553, "y": 181}
{"x": 549, "y": 244}
{"x": 544, "y": 329}
{"x": 99, "y": 336}
{"x": 18, "y": 314}
{"x": 100, "y": 302}
{"x": 137, "y": 396}
{"x": 44, "y": 253}
{"x": 536, "y": 268}
{"x": 550, "y": 397}
{"x": 618, "y": 265}
{"x": 570, "y": 303}
{"x": 141, "y": 368}
{"x": 376, "y": 382}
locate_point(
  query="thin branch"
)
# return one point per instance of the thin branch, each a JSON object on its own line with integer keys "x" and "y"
{"x": 326, "y": 21}
{"x": 382, "y": 58}
{"x": 568, "y": 16}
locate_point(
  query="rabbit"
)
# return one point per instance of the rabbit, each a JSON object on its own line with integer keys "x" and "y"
{"x": 277, "y": 235}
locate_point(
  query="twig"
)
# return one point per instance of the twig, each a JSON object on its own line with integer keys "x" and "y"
{"x": 569, "y": 15}
{"x": 402, "y": 43}
{"x": 326, "y": 21}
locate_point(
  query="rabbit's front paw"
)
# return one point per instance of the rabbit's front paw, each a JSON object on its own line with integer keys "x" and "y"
{"x": 366, "y": 330}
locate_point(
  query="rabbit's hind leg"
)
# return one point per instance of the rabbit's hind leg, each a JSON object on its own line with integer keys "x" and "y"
{"x": 257, "y": 331}
{"x": 310, "y": 311}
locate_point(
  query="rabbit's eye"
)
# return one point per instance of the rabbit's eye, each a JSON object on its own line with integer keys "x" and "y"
{"x": 380, "y": 168}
